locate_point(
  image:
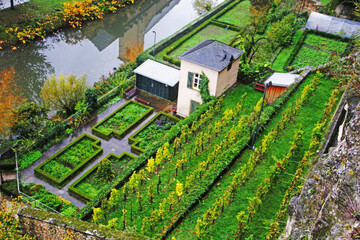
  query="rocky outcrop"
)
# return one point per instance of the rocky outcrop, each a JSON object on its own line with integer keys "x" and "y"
{"x": 328, "y": 206}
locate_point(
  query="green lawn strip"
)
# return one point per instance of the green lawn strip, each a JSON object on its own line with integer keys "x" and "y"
{"x": 151, "y": 131}
{"x": 278, "y": 64}
{"x": 89, "y": 185}
{"x": 60, "y": 167}
{"x": 167, "y": 178}
{"x": 187, "y": 227}
{"x": 122, "y": 120}
{"x": 209, "y": 32}
{"x": 239, "y": 15}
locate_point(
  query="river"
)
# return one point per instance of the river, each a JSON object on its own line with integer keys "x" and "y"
{"x": 97, "y": 47}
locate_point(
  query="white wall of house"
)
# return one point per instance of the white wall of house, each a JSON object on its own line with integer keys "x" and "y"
{"x": 218, "y": 83}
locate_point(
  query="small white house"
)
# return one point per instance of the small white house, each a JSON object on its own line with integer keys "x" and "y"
{"x": 218, "y": 61}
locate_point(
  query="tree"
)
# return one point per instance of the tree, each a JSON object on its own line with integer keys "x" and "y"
{"x": 9, "y": 98}
{"x": 132, "y": 50}
{"x": 248, "y": 40}
{"x": 105, "y": 172}
{"x": 203, "y": 6}
{"x": 28, "y": 119}
{"x": 280, "y": 33}
{"x": 63, "y": 93}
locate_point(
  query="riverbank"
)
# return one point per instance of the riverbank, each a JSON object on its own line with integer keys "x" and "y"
{"x": 37, "y": 18}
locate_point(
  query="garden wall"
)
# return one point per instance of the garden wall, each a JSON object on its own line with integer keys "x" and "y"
{"x": 45, "y": 225}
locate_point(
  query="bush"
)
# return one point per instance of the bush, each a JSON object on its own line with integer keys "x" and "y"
{"x": 91, "y": 98}
{"x": 29, "y": 158}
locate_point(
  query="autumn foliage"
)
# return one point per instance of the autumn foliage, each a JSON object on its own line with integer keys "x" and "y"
{"x": 133, "y": 49}
{"x": 9, "y": 98}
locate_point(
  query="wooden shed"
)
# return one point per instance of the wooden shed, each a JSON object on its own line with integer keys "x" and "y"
{"x": 279, "y": 83}
{"x": 158, "y": 79}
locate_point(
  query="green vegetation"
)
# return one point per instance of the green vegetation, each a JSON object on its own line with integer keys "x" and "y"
{"x": 239, "y": 15}
{"x": 29, "y": 158}
{"x": 65, "y": 163}
{"x": 225, "y": 225}
{"x": 89, "y": 185}
{"x": 152, "y": 131}
{"x": 122, "y": 120}
{"x": 209, "y": 32}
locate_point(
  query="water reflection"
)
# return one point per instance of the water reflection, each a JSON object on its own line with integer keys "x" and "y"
{"x": 98, "y": 46}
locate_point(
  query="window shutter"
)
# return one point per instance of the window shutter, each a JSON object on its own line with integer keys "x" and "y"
{"x": 190, "y": 79}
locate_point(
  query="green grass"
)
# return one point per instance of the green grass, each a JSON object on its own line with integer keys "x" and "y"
{"x": 278, "y": 64}
{"x": 239, "y": 15}
{"x": 308, "y": 56}
{"x": 325, "y": 44}
{"x": 209, "y": 32}
{"x": 225, "y": 227}
{"x": 34, "y": 9}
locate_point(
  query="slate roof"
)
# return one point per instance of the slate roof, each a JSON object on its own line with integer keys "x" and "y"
{"x": 281, "y": 79}
{"x": 159, "y": 72}
{"x": 212, "y": 54}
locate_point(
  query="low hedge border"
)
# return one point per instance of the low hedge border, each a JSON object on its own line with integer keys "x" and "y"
{"x": 86, "y": 198}
{"x": 134, "y": 142}
{"x": 175, "y": 130}
{"x": 120, "y": 134}
{"x": 60, "y": 182}
{"x": 323, "y": 34}
{"x": 225, "y": 25}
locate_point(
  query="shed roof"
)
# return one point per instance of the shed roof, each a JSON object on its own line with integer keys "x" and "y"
{"x": 159, "y": 72}
{"x": 212, "y": 54}
{"x": 281, "y": 79}
{"x": 333, "y": 25}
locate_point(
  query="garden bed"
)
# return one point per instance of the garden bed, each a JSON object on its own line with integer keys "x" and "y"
{"x": 89, "y": 185}
{"x": 152, "y": 131}
{"x": 120, "y": 122}
{"x": 63, "y": 165}
{"x": 315, "y": 48}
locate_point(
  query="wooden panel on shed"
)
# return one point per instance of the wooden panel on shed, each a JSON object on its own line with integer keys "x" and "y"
{"x": 273, "y": 92}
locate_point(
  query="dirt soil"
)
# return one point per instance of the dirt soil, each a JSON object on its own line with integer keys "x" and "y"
{"x": 159, "y": 104}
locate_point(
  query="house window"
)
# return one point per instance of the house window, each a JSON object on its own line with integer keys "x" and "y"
{"x": 196, "y": 81}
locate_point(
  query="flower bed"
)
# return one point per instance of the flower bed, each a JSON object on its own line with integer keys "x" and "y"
{"x": 152, "y": 131}
{"x": 89, "y": 185}
{"x": 122, "y": 120}
{"x": 62, "y": 166}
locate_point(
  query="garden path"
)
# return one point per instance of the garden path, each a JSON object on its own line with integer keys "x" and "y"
{"x": 112, "y": 146}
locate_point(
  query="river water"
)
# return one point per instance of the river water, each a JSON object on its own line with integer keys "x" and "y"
{"x": 97, "y": 47}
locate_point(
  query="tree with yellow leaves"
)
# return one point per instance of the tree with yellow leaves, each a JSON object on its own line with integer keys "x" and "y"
{"x": 63, "y": 93}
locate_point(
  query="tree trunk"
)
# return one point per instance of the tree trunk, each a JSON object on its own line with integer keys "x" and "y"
{"x": 12, "y": 4}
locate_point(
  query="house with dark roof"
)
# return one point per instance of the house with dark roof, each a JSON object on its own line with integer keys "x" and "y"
{"x": 218, "y": 61}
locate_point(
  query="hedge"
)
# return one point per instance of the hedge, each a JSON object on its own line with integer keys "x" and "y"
{"x": 60, "y": 182}
{"x": 120, "y": 134}
{"x": 7, "y": 160}
{"x": 134, "y": 142}
{"x": 84, "y": 197}
{"x": 175, "y": 130}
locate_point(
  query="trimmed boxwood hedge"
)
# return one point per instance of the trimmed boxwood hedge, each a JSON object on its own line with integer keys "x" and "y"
{"x": 323, "y": 34}
{"x": 83, "y": 196}
{"x": 7, "y": 160}
{"x": 134, "y": 142}
{"x": 58, "y": 182}
{"x": 120, "y": 134}
{"x": 175, "y": 130}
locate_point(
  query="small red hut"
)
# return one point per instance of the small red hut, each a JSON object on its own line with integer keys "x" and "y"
{"x": 279, "y": 82}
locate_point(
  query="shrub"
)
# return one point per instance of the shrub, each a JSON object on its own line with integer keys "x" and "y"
{"x": 29, "y": 158}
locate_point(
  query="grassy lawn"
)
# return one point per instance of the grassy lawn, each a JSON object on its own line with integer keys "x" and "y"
{"x": 226, "y": 225}
{"x": 239, "y": 15}
{"x": 34, "y": 9}
{"x": 209, "y": 32}
{"x": 278, "y": 64}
